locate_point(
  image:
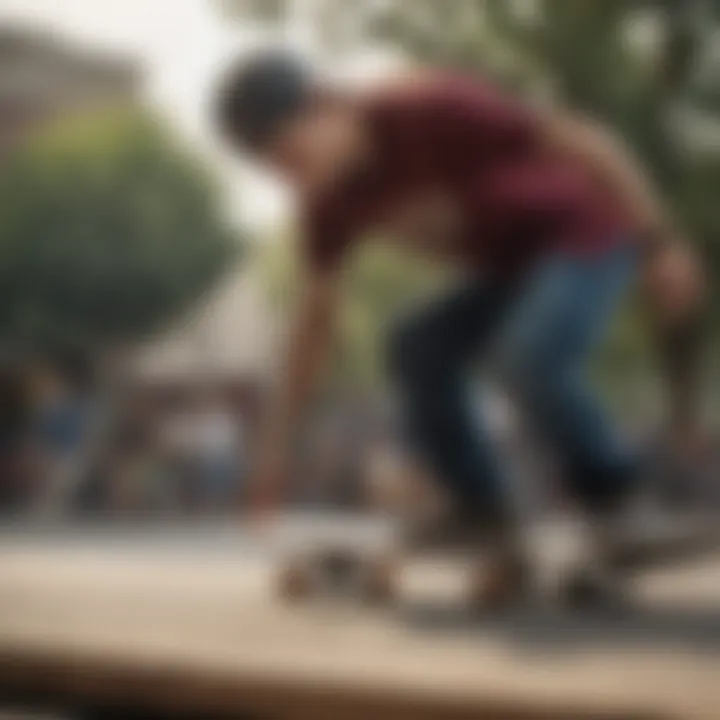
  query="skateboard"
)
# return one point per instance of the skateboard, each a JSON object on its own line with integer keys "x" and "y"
{"x": 364, "y": 562}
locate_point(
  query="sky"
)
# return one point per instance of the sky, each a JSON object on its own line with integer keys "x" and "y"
{"x": 179, "y": 42}
{"x": 181, "y": 46}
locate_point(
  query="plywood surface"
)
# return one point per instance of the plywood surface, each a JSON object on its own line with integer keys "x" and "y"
{"x": 192, "y": 622}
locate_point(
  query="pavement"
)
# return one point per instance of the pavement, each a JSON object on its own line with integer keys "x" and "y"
{"x": 110, "y": 609}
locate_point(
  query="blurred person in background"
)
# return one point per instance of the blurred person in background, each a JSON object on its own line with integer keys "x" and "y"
{"x": 219, "y": 445}
{"x": 177, "y": 433}
{"x": 136, "y": 480}
{"x": 62, "y": 414}
{"x": 330, "y": 468}
{"x": 129, "y": 474}
{"x": 549, "y": 221}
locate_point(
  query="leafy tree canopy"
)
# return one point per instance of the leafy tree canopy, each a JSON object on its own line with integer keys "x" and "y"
{"x": 108, "y": 230}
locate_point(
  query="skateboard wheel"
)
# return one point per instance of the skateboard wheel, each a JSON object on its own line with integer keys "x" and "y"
{"x": 499, "y": 586}
{"x": 585, "y": 592}
{"x": 379, "y": 591}
{"x": 380, "y": 583}
{"x": 295, "y": 582}
{"x": 339, "y": 569}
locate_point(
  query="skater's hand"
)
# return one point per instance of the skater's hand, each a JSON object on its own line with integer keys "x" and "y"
{"x": 674, "y": 283}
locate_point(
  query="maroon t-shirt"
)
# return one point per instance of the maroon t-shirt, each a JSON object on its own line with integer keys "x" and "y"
{"x": 465, "y": 139}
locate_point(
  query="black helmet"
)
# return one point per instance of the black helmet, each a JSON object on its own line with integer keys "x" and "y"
{"x": 257, "y": 97}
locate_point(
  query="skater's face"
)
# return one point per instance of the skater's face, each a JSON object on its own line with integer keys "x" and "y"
{"x": 312, "y": 149}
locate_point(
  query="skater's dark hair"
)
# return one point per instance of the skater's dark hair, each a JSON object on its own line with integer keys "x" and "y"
{"x": 257, "y": 97}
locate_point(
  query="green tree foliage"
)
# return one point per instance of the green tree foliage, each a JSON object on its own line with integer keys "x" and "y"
{"x": 108, "y": 230}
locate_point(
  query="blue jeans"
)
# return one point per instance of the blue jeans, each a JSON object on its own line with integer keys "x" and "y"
{"x": 539, "y": 335}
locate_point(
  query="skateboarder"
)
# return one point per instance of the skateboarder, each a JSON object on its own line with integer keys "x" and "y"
{"x": 548, "y": 221}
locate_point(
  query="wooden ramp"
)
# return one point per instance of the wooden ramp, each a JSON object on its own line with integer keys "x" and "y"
{"x": 193, "y": 628}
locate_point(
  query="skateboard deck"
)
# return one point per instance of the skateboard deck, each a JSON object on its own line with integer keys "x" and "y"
{"x": 361, "y": 557}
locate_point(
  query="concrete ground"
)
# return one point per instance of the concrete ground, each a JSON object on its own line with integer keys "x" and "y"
{"x": 186, "y": 602}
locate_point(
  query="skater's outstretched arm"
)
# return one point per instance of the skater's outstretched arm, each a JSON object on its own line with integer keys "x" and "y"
{"x": 309, "y": 339}
{"x": 671, "y": 279}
